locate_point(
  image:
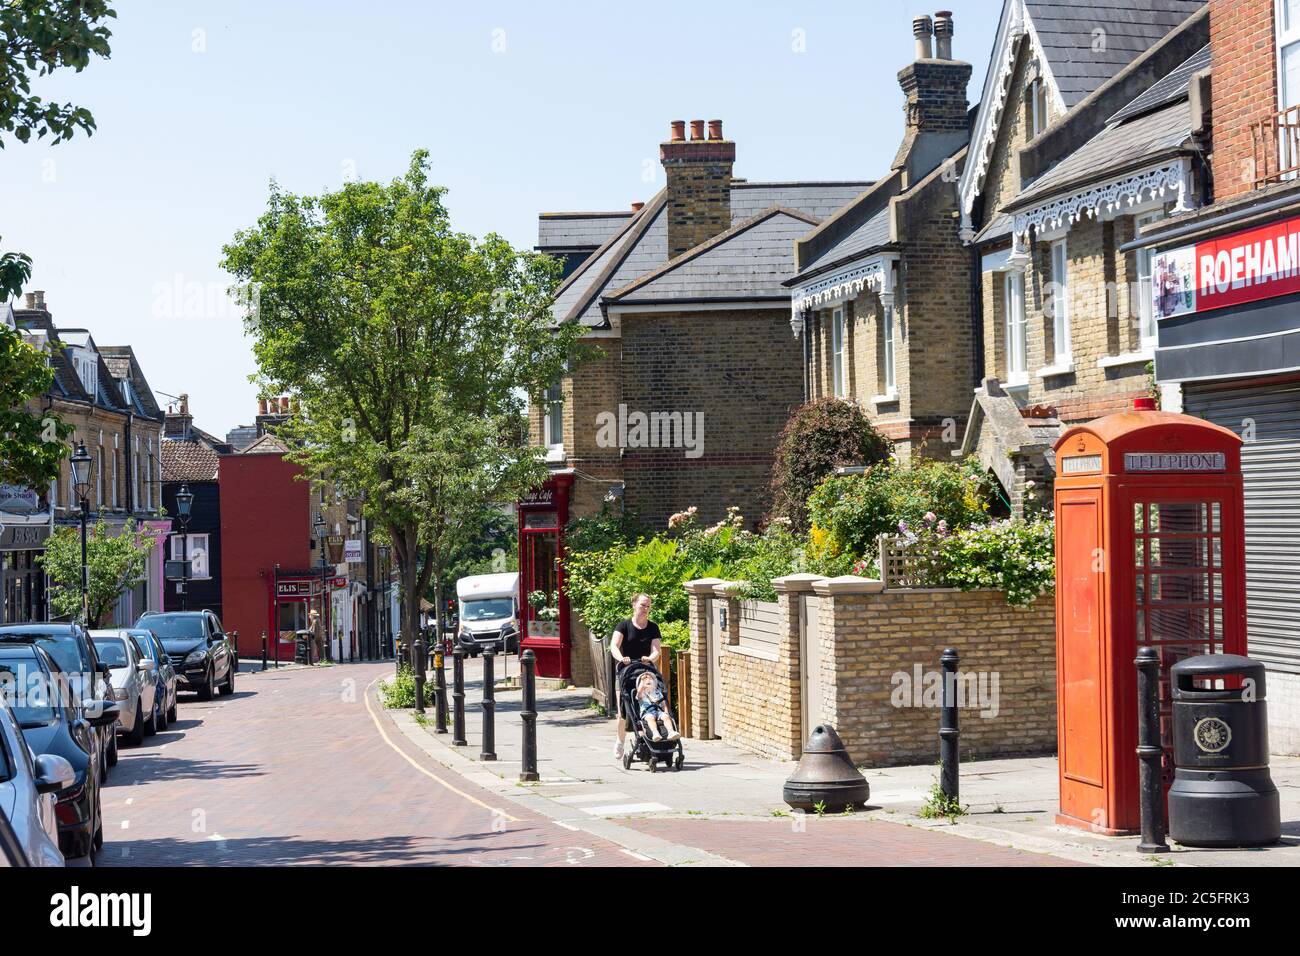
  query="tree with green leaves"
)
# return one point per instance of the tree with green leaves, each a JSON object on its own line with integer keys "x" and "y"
{"x": 31, "y": 443}
{"x": 117, "y": 562}
{"x": 37, "y": 37}
{"x": 410, "y": 348}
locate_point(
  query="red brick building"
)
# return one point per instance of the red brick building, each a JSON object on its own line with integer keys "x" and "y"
{"x": 267, "y": 583}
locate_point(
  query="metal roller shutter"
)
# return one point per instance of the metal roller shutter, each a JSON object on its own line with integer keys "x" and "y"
{"x": 1271, "y": 466}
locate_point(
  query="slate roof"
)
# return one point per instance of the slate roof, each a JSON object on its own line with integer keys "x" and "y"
{"x": 578, "y": 230}
{"x": 188, "y": 461}
{"x": 1117, "y": 148}
{"x": 1002, "y": 225}
{"x": 1172, "y": 86}
{"x": 640, "y": 246}
{"x": 746, "y": 263}
{"x": 122, "y": 365}
{"x": 872, "y": 234}
{"x": 818, "y": 200}
{"x": 1066, "y": 31}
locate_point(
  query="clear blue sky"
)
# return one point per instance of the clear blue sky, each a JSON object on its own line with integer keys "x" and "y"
{"x": 525, "y": 107}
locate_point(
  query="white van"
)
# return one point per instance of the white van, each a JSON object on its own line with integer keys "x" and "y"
{"x": 489, "y": 604}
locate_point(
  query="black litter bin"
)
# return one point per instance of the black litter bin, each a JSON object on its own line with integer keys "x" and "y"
{"x": 1222, "y": 794}
{"x": 302, "y": 646}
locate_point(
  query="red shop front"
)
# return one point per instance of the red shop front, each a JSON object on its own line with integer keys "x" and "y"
{"x": 544, "y": 610}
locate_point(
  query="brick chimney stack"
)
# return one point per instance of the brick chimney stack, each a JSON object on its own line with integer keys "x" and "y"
{"x": 698, "y": 172}
{"x": 178, "y": 423}
{"x": 936, "y": 109}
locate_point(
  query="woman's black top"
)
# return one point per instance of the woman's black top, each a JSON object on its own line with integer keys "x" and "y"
{"x": 636, "y": 640}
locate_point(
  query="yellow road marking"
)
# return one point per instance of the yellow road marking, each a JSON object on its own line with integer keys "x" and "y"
{"x": 432, "y": 776}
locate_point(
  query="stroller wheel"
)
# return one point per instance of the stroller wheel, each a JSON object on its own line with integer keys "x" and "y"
{"x": 677, "y": 763}
{"x": 627, "y": 760}
{"x": 654, "y": 766}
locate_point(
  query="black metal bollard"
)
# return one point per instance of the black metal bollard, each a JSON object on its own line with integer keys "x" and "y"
{"x": 458, "y": 698}
{"x": 528, "y": 665}
{"x": 440, "y": 689}
{"x": 489, "y": 751}
{"x": 417, "y": 656}
{"x": 949, "y": 753}
{"x": 1149, "y": 753}
{"x": 264, "y": 650}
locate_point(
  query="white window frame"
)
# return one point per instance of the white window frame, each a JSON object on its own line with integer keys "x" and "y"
{"x": 1060, "y": 277}
{"x": 114, "y": 495}
{"x": 1013, "y": 307}
{"x": 1285, "y": 34}
{"x": 1038, "y": 109}
{"x": 553, "y": 419}
{"x": 837, "y": 352}
{"x": 148, "y": 478}
{"x": 99, "y": 475}
{"x": 1143, "y": 260}
{"x": 887, "y": 332}
{"x": 200, "y": 570}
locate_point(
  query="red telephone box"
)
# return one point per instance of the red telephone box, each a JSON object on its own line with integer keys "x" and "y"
{"x": 1149, "y": 550}
{"x": 543, "y": 513}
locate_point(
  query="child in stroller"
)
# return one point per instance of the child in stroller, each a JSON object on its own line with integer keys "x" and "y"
{"x": 653, "y": 708}
{"x": 644, "y": 702}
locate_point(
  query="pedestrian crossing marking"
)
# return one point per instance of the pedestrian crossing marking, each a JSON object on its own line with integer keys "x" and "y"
{"x": 624, "y": 809}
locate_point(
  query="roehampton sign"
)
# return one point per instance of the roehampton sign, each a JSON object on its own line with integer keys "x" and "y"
{"x": 1229, "y": 270}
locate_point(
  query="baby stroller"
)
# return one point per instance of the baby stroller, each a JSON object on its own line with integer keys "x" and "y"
{"x": 653, "y": 752}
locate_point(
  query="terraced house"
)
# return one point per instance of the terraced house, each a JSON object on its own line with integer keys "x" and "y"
{"x": 696, "y": 371}
{"x": 1087, "y": 130}
{"x": 881, "y": 297}
{"x": 100, "y": 391}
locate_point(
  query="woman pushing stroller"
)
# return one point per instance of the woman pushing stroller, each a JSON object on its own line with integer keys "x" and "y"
{"x": 634, "y": 639}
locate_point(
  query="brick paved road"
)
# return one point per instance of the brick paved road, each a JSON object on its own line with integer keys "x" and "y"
{"x": 835, "y": 842}
{"x": 294, "y": 769}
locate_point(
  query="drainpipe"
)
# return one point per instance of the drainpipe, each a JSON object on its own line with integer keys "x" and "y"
{"x": 807, "y": 356}
{"x": 977, "y": 312}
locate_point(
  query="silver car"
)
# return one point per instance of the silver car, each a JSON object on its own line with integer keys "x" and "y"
{"x": 28, "y": 785}
{"x": 134, "y": 688}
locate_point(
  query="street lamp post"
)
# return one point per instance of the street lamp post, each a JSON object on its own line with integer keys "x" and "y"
{"x": 185, "y": 501}
{"x": 80, "y": 463}
{"x": 324, "y": 589}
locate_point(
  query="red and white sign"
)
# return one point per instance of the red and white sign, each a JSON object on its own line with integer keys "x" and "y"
{"x": 1242, "y": 267}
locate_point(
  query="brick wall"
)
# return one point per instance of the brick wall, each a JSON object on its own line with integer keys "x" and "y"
{"x": 741, "y": 370}
{"x": 869, "y": 638}
{"x": 1243, "y": 89}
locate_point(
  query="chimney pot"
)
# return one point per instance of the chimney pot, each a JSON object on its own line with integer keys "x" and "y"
{"x": 636, "y": 206}
{"x": 678, "y": 132}
{"x": 35, "y": 299}
{"x": 715, "y": 129}
{"x": 697, "y": 130}
{"x": 261, "y": 406}
{"x": 943, "y": 34}
{"x": 922, "y": 30}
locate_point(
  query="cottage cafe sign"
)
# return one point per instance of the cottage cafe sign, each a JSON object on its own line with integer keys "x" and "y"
{"x": 1240, "y": 267}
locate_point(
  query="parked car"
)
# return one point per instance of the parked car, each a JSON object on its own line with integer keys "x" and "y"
{"x": 164, "y": 676}
{"x": 203, "y": 656}
{"x": 133, "y": 684}
{"x": 58, "y": 725}
{"x": 27, "y": 791}
{"x": 72, "y": 649}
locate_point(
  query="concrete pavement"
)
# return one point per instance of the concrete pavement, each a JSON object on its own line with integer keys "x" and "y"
{"x": 1010, "y": 803}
